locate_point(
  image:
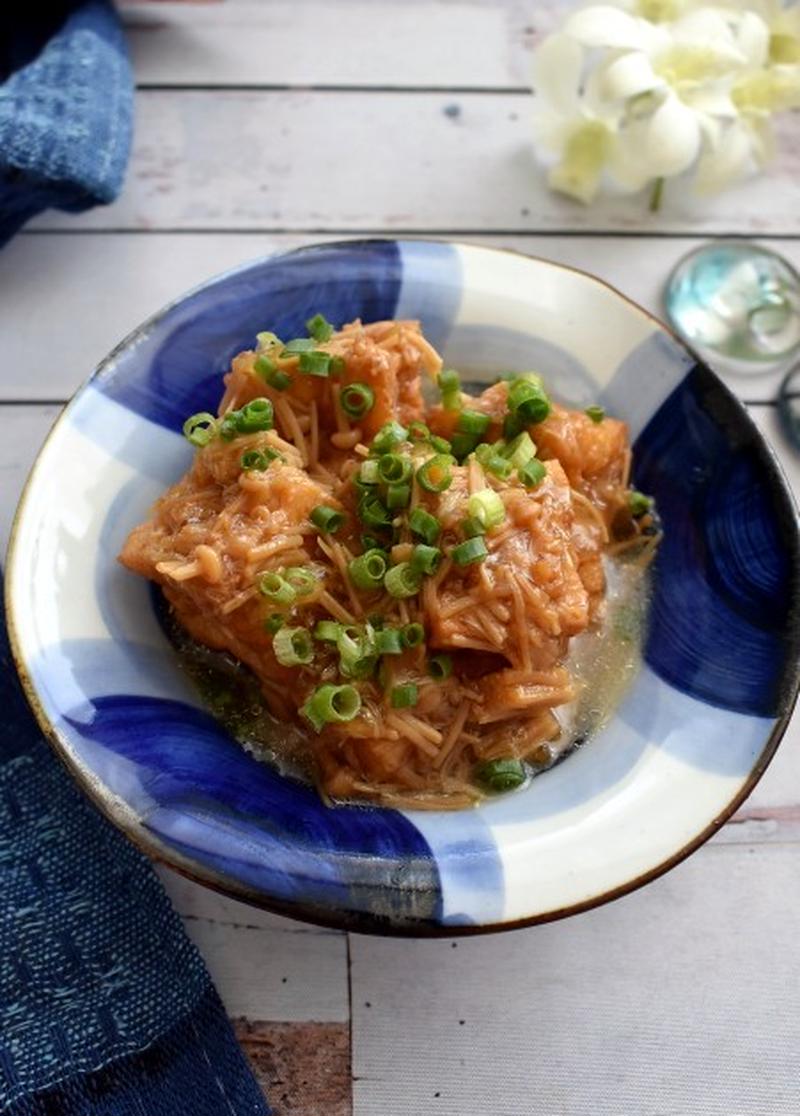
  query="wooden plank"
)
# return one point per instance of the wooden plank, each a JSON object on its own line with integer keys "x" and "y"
{"x": 679, "y": 999}
{"x": 291, "y": 161}
{"x": 303, "y": 1068}
{"x": 126, "y": 277}
{"x": 350, "y": 43}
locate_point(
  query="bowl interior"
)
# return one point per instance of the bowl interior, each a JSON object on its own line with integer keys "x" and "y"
{"x": 688, "y": 741}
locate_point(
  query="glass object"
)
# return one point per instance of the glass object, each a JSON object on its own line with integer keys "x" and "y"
{"x": 737, "y": 304}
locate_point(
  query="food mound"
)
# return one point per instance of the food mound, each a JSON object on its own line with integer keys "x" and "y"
{"x": 403, "y": 580}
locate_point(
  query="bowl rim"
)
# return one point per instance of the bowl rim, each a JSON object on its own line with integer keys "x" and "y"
{"x": 120, "y": 815}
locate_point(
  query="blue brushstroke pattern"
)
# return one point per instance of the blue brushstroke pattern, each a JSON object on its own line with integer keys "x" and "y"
{"x": 267, "y": 831}
{"x": 192, "y": 344}
{"x": 727, "y": 569}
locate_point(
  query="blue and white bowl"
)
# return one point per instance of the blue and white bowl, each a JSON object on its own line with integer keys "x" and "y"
{"x": 691, "y": 738}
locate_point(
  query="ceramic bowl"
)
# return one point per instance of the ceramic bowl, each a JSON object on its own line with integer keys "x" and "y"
{"x": 687, "y": 743}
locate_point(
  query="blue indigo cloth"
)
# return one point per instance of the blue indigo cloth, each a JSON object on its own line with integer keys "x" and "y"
{"x": 66, "y": 107}
{"x": 106, "y": 1008}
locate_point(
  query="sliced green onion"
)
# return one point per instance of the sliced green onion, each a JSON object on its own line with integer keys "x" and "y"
{"x": 426, "y": 559}
{"x": 373, "y": 512}
{"x": 528, "y": 400}
{"x": 315, "y": 363}
{"x": 425, "y": 525}
{"x": 327, "y": 519}
{"x": 276, "y": 588}
{"x": 493, "y": 461}
{"x": 319, "y": 328}
{"x": 327, "y": 631}
{"x": 264, "y": 366}
{"x": 258, "y": 460}
{"x": 473, "y": 550}
{"x": 512, "y": 425}
{"x": 368, "y": 471}
{"x": 519, "y": 450}
{"x": 436, "y": 474}
{"x": 394, "y": 468}
{"x": 274, "y": 622}
{"x": 500, "y": 775}
{"x": 337, "y": 365}
{"x": 471, "y": 526}
{"x": 388, "y": 642}
{"x": 440, "y": 667}
{"x": 367, "y": 571}
{"x": 418, "y": 431}
{"x": 390, "y": 435}
{"x": 369, "y": 542}
{"x": 376, "y": 620}
{"x": 293, "y": 646}
{"x": 199, "y": 429}
{"x": 329, "y": 705}
{"x": 473, "y": 422}
{"x": 413, "y": 635}
{"x": 298, "y": 345}
{"x": 402, "y": 580}
{"x": 302, "y": 581}
{"x": 463, "y": 444}
{"x": 402, "y": 697}
{"x": 269, "y": 371}
{"x": 266, "y": 339}
{"x": 254, "y": 416}
{"x": 398, "y": 495}
{"x": 487, "y": 507}
{"x": 449, "y": 384}
{"x": 441, "y": 445}
{"x": 227, "y": 427}
{"x": 639, "y": 504}
{"x": 357, "y": 400}
{"x": 532, "y": 472}
{"x": 357, "y": 658}
{"x": 595, "y": 413}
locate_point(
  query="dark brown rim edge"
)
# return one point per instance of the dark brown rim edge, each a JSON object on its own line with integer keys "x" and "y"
{"x": 152, "y": 846}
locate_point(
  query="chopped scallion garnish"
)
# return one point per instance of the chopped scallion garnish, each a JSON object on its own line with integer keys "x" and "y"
{"x": 436, "y": 474}
{"x": 298, "y": 345}
{"x": 398, "y": 496}
{"x": 373, "y": 512}
{"x": 449, "y": 383}
{"x": 595, "y": 413}
{"x": 327, "y": 631}
{"x": 276, "y": 588}
{"x": 413, "y": 635}
{"x": 254, "y": 416}
{"x": 315, "y": 363}
{"x": 440, "y": 667}
{"x": 532, "y": 472}
{"x": 388, "y": 641}
{"x": 639, "y": 504}
{"x": 403, "y": 697}
{"x": 500, "y": 774}
{"x": 418, "y": 431}
{"x": 487, "y": 507}
{"x": 302, "y": 581}
{"x": 528, "y": 400}
{"x": 319, "y": 328}
{"x": 394, "y": 468}
{"x": 402, "y": 580}
{"x": 357, "y": 400}
{"x": 473, "y": 550}
{"x": 390, "y": 435}
{"x": 199, "y": 429}
{"x": 293, "y": 646}
{"x": 274, "y": 622}
{"x": 426, "y": 559}
{"x": 473, "y": 422}
{"x": 327, "y": 519}
{"x": 519, "y": 450}
{"x": 330, "y": 704}
{"x": 367, "y": 571}
{"x": 425, "y": 525}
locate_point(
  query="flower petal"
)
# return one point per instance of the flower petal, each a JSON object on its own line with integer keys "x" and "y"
{"x": 672, "y": 139}
{"x": 627, "y": 76}
{"x": 604, "y": 26}
{"x": 557, "y": 67}
{"x": 726, "y": 162}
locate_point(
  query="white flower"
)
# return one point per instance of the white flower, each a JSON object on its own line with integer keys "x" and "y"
{"x": 569, "y": 122}
{"x": 643, "y": 90}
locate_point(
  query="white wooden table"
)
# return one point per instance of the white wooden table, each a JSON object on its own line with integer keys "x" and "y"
{"x": 263, "y": 125}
